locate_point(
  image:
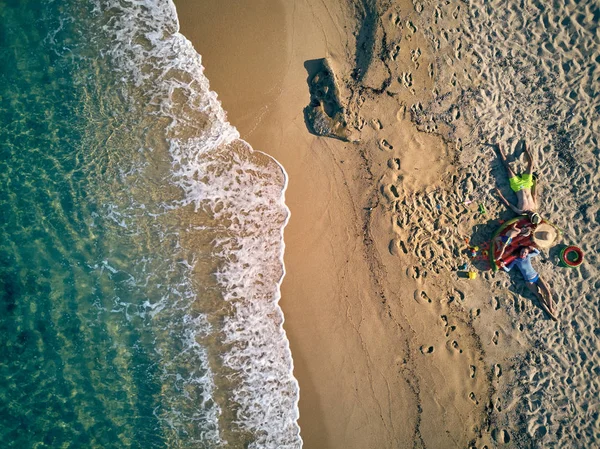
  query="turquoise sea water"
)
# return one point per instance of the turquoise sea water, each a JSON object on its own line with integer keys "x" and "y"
{"x": 140, "y": 242}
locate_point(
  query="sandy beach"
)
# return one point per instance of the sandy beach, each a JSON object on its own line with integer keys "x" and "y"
{"x": 392, "y": 347}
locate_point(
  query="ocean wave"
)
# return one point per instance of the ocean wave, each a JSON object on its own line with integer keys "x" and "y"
{"x": 238, "y": 196}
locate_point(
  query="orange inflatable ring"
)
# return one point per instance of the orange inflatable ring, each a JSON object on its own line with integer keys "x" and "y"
{"x": 571, "y": 256}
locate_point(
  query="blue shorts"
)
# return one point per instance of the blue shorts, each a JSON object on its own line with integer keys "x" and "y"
{"x": 535, "y": 279}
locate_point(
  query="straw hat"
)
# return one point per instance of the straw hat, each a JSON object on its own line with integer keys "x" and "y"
{"x": 544, "y": 235}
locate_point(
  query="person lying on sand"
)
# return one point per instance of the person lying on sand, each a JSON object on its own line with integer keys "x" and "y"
{"x": 523, "y": 185}
{"x": 532, "y": 278}
{"x": 506, "y": 239}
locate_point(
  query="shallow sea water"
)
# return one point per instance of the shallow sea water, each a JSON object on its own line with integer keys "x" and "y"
{"x": 141, "y": 242}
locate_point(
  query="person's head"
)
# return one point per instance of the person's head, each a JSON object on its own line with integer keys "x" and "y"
{"x": 524, "y": 252}
{"x": 535, "y": 218}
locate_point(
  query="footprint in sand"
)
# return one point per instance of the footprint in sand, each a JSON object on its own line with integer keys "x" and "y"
{"x": 401, "y": 114}
{"x": 456, "y": 12}
{"x": 454, "y": 295}
{"x": 397, "y": 245}
{"x": 427, "y": 349}
{"x": 495, "y": 338}
{"x": 390, "y": 192}
{"x": 475, "y": 313}
{"x": 426, "y": 251}
{"x": 360, "y": 123}
{"x": 430, "y": 70}
{"x": 423, "y": 297}
{"x": 406, "y": 79}
{"x": 473, "y": 370}
{"x": 394, "y": 164}
{"x": 497, "y": 370}
{"x": 457, "y": 48}
{"x": 403, "y": 247}
{"x": 394, "y": 247}
{"x": 437, "y": 15}
{"x": 496, "y": 303}
{"x": 449, "y": 330}
{"x": 395, "y": 52}
{"x": 498, "y": 405}
{"x": 385, "y": 145}
{"x": 415, "y": 272}
{"x": 501, "y": 436}
{"x": 417, "y": 108}
{"x": 411, "y": 27}
{"x": 455, "y": 112}
{"x": 415, "y": 54}
{"x": 454, "y": 346}
{"x": 376, "y": 124}
{"x": 540, "y": 432}
{"x": 473, "y": 398}
{"x": 418, "y": 7}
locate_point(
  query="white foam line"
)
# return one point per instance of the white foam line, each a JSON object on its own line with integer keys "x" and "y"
{"x": 278, "y": 292}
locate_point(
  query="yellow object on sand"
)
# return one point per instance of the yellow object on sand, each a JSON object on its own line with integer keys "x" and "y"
{"x": 472, "y": 275}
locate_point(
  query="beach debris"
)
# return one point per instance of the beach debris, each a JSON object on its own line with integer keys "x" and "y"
{"x": 482, "y": 210}
{"x": 472, "y": 275}
{"x": 326, "y": 114}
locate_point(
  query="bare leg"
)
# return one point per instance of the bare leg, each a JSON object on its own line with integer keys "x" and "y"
{"x": 547, "y": 294}
{"x": 512, "y": 233}
{"x": 530, "y": 171}
{"x": 511, "y": 173}
{"x": 529, "y": 157}
{"x": 547, "y": 306}
{"x": 534, "y": 192}
{"x": 504, "y": 245}
{"x": 514, "y": 208}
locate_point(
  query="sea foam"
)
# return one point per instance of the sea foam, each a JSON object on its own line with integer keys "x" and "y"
{"x": 242, "y": 190}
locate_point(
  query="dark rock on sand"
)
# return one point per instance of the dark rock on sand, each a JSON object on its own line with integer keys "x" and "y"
{"x": 326, "y": 113}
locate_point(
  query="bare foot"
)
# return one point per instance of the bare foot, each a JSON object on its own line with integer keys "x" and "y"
{"x": 549, "y": 309}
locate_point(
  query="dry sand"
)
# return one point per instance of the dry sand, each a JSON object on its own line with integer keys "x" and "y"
{"x": 392, "y": 348}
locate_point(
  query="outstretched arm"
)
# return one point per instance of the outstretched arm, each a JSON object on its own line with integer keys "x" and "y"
{"x": 508, "y": 204}
{"x": 508, "y": 267}
{"x": 502, "y": 155}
